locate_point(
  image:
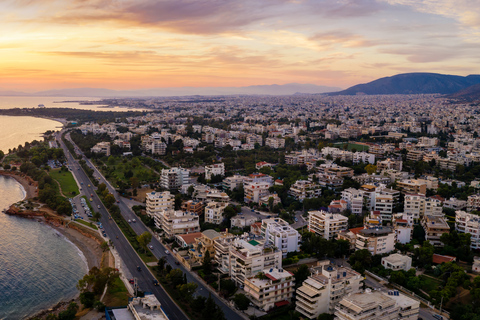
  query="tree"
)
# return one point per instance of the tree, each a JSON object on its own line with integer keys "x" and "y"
{"x": 241, "y": 301}
{"x": 144, "y": 239}
{"x": 187, "y": 290}
{"x": 370, "y": 168}
{"x": 104, "y": 247}
{"x": 87, "y": 298}
{"x": 424, "y": 254}
{"x": 176, "y": 277}
{"x": 302, "y": 273}
{"x": 207, "y": 263}
{"x": 134, "y": 182}
{"x": 109, "y": 200}
{"x": 70, "y": 313}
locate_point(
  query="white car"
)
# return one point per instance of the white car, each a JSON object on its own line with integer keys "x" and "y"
{"x": 167, "y": 252}
{"x": 129, "y": 220}
{"x": 151, "y": 247}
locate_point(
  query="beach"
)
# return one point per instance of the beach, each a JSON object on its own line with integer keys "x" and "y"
{"x": 28, "y": 184}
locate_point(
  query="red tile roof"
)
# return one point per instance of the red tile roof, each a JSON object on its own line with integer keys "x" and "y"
{"x": 356, "y": 230}
{"x": 438, "y": 259}
{"x": 281, "y": 303}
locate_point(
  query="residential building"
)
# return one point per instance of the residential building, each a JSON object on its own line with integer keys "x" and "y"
{"x": 354, "y": 199}
{"x": 138, "y": 308}
{"x": 412, "y": 186}
{"x": 388, "y": 163}
{"x": 214, "y": 212}
{"x": 397, "y": 262}
{"x": 275, "y": 143}
{"x": 384, "y": 204}
{"x": 242, "y": 221}
{"x": 378, "y": 240}
{"x": 334, "y": 169}
{"x": 305, "y": 189}
{"x": 192, "y": 206}
{"x": 174, "y": 178}
{"x": 247, "y": 258}
{"x": 473, "y": 202}
{"x": 253, "y": 191}
{"x": 217, "y": 169}
{"x": 324, "y": 288}
{"x": 455, "y": 204}
{"x": 159, "y": 201}
{"x": 201, "y": 245}
{"x": 101, "y": 147}
{"x": 174, "y": 222}
{"x": 233, "y": 182}
{"x": 434, "y": 227}
{"x": 377, "y": 305}
{"x": 418, "y": 205}
{"x": 278, "y": 233}
{"x": 270, "y": 288}
{"x": 403, "y": 226}
{"x": 469, "y": 223}
{"x": 476, "y": 264}
{"x": 325, "y": 224}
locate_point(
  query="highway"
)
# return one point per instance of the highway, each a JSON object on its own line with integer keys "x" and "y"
{"x": 125, "y": 250}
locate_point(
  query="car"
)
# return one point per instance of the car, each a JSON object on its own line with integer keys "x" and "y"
{"x": 151, "y": 247}
{"x": 81, "y": 183}
{"x": 129, "y": 220}
{"x": 155, "y": 282}
{"x": 139, "y": 268}
{"x": 91, "y": 199}
{"x": 177, "y": 263}
{"x": 91, "y": 194}
{"x": 133, "y": 220}
{"x": 437, "y": 316}
{"x": 89, "y": 186}
{"x": 167, "y": 252}
{"x": 296, "y": 219}
{"x": 131, "y": 281}
{"x": 118, "y": 201}
{"x": 98, "y": 206}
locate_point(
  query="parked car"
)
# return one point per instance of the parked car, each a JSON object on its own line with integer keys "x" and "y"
{"x": 131, "y": 281}
{"x": 167, "y": 252}
{"x": 151, "y": 247}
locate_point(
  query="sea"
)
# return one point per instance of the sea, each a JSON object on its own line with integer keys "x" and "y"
{"x": 39, "y": 267}
{"x": 15, "y": 131}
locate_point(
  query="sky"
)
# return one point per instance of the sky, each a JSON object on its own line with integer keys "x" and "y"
{"x": 136, "y": 44}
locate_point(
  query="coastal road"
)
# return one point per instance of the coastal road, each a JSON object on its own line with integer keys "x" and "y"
{"x": 123, "y": 247}
{"x": 139, "y": 228}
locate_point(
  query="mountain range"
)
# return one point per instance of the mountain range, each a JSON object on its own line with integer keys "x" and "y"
{"x": 286, "y": 89}
{"x": 413, "y": 83}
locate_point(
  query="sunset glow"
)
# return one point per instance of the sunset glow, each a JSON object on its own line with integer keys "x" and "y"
{"x": 128, "y": 44}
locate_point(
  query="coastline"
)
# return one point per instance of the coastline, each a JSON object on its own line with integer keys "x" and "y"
{"x": 28, "y": 184}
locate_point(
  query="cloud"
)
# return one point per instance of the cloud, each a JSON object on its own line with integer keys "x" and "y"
{"x": 344, "y": 38}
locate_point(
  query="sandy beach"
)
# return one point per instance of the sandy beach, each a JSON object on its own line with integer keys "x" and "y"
{"x": 28, "y": 183}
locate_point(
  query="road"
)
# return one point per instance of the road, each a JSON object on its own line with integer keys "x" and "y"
{"x": 127, "y": 253}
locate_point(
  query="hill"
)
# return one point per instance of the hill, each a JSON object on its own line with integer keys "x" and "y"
{"x": 469, "y": 94}
{"x": 413, "y": 83}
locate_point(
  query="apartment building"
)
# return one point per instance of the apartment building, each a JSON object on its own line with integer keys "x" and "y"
{"x": 278, "y": 233}
{"x": 217, "y": 169}
{"x": 324, "y": 288}
{"x": 377, "y": 305}
{"x": 403, "y": 226}
{"x": 384, "y": 204}
{"x": 397, "y": 262}
{"x": 455, "y": 204}
{"x": 415, "y": 155}
{"x": 469, "y": 223}
{"x": 192, "y": 206}
{"x": 326, "y": 225}
{"x": 233, "y": 182}
{"x": 246, "y": 258}
{"x": 412, "y": 186}
{"x": 203, "y": 244}
{"x": 214, "y": 212}
{"x": 174, "y": 222}
{"x": 159, "y": 201}
{"x": 270, "y": 288}
{"x": 336, "y": 170}
{"x": 434, "y": 227}
{"x": 158, "y": 147}
{"x": 354, "y": 199}
{"x": 473, "y": 202}
{"x": 378, "y": 240}
{"x": 174, "y": 178}
{"x": 101, "y": 147}
{"x": 388, "y": 163}
{"x": 418, "y": 205}
{"x": 364, "y": 157}
{"x": 275, "y": 143}
{"x": 305, "y": 189}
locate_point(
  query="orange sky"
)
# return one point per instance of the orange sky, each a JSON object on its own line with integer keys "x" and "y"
{"x": 126, "y": 44}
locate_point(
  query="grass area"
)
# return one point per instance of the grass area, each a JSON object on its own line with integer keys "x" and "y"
{"x": 117, "y": 294}
{"x": 430, "y": 284}
{"x": 358, "y": 147}
{"x": 119, "y": 169}
{"x": 11, "y": 158}
{"x": 88, "y": 224}
{"x": 67, "y": 182}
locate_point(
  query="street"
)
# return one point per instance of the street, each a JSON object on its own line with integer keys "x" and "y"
{"x": 125, "y": 250}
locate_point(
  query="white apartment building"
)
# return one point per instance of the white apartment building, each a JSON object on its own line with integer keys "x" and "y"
{"x": 384, "y": 204}
{"x": 377, "y": 240}
{"x": 275, "y": 143}
{"x": 397, "y": 262}
{"x": 247, "y": 258}
{"x": 354, "y": 199}
{"x": 158, "y": 147}
{"x": 455, "y": 204}
{"x": 418, "y": 205}
{"x": 305, "y": 189}
{"x": 174, "y": 178}
{"x": 325, "y": 224}
{"x": 174, "y": 222}
{"x": 159, "y": 201}
{"x": 403, "y": 225}
{"x": 256, "y": 186}
{"x": 280, "y": 234}
{"x": 101, "y": 147}
{"x": 377, "y": 305}
{"x": 325, "y": 287}
{"x": 270, "y": 287}
{"x": 230, "y": 183}
{"x": 214, "y": 212}
{"x": 217, "y": 169}
{"x": 469, "y": 223}
{"x": 364, "y": 157}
